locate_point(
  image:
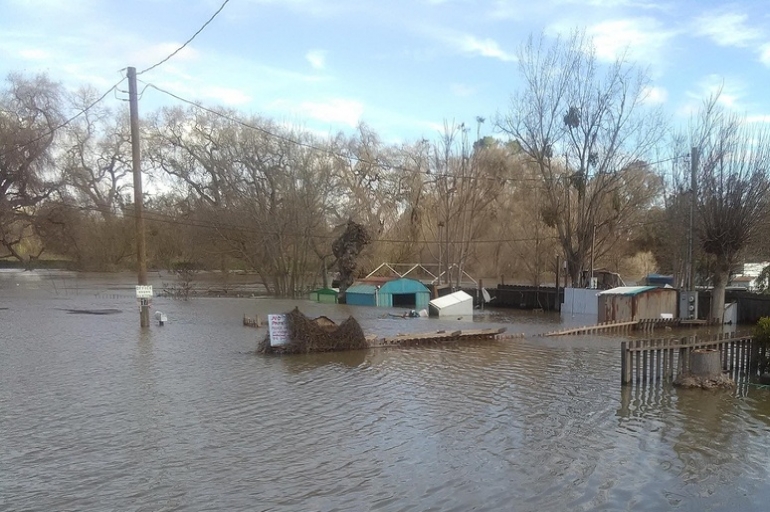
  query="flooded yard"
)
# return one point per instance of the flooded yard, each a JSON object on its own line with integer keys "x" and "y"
{"x": 98, "y": 414}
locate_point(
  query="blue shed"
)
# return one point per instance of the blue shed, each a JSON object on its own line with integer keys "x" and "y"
{"x": 362, "y": 294}
{"x": 404, "y": 293}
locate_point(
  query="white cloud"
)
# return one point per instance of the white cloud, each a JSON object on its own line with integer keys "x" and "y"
{"x": 318, "y": 8}
{"x": 606, "y": 4}
{"x": 640, "y": 39}
{"x": 34, "y": 54}
{"x": 485, "y": 48}
{"x": 152, "y": 54}
{"x": 758, "y": 118}
{"x": 54, "y": 7}
{"x": 578, "y": 11}
{"x": 730, "y": 91}
{"x": 469, "y": 44}
{"x": 316, "y": 58}
{"x": 654, "y": 95}
{"x": 462, "y": 90}
{"x": 764, "y": 55}
{"x": 226, "y": 95}
{"x": 732, "y": 29}
{"x": 337, "y": 110}
{"x": 731, "y": 94}
{"x": 727, "y": 29}
{"x": 190, "y": 89}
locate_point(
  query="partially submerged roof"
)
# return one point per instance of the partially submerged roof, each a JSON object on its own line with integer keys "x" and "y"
{"x": 327, "y": 291}
{"x": 629, "y": 290}
{"x": 404, "y": 285}
{"x": 366, "y": 289}
{"x": 452, "y": 298}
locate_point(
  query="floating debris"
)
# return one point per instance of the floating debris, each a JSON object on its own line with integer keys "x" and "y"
{"x": 303, "y": 335}
{"x": 92, "y": 311}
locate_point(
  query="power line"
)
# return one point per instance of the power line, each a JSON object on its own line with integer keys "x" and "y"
{"x": 186, "y": 42}
{"x": 299, "y": 143}
{"x": 52, "y": 130}
{"x": 274, "y": 135}
{"x": 378, "y": 164}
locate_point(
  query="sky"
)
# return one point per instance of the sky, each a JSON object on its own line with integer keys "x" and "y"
{"x": 403, "y": 67}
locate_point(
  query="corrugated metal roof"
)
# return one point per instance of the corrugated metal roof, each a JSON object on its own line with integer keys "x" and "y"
{"x": 404, "y": 285}
{"x": 365, "y": 289}
{"x": 628, "y": 290}
{"x": 326, "y": 291}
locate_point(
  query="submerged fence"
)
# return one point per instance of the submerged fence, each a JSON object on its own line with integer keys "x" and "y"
{"x": 661, "y": 360}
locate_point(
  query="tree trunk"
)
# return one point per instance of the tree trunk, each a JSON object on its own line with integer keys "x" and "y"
{"x": 718, "y": 298}
{"x": 573, "y": 270}
{"x": 705, "y": 363}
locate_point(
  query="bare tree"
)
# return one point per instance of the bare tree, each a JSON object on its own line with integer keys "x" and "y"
{"x": 97, "y": 157}
{"x": 95, "y": 164}
{"x": 580, "y": 125}
{"x": 262, "y": 191}
{"x": 29, "y": 116}
{"x": 733, "y": 185}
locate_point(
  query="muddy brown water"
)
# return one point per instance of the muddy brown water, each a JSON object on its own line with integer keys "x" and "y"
{"x": 97, "y": 414}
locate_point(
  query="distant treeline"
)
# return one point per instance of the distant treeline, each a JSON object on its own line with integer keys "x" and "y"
{"x": 581, "y": 171}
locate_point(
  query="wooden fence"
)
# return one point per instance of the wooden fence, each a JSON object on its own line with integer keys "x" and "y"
{"x": 602, "y": 328}
{"x": 648, "y": 325}
{"x": 661, "y": 360}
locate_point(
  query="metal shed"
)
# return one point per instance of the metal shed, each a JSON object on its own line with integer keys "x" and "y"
{"x": 362, "y": 294}
{"x": 404, "y": 293}
{"x": 398, "y": 293}
{"x": 629, "y": 303}
{"x": 457, "y": 305}
{"x": 324, "y": 295}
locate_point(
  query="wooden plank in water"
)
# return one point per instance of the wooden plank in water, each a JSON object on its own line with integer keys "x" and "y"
{"x": 438, "y": 336}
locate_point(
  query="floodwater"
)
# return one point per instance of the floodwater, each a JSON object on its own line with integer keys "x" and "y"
{"x": 97, "y": 414}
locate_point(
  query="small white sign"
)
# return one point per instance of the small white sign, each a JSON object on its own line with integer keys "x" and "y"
{"x": 279, "y": 330}
{"x": 143, "y": 291}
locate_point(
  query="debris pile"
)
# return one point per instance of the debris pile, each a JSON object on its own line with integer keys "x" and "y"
{"x": 688, "y": 380}
{"x": 308, "y": 335}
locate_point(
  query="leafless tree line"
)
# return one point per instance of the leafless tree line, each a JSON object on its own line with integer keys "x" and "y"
{"x": 575, "y": 172}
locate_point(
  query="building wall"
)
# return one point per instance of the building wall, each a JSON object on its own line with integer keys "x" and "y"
{"x": 644, "y": 305}
{"x": 421, "y": 299}
{"x": 405, "y": 286}
{"x": 327, "y": 298}
{"x": 653, "y": 303}
{"x": 579, "y": 301}
{"x": 360, "y": 299}
{"x": 616, "y": 308}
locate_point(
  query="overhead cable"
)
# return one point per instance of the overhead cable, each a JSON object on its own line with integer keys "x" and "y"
{"x": 186, "y": 42}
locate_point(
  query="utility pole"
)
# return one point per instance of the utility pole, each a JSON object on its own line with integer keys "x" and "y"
{"x": 141, "y": 251}
{"x": 694, "y": 157}
{"x": 440, "y": 250}
{"x": 593, "y": 249}
{"x": 558, "y": 275}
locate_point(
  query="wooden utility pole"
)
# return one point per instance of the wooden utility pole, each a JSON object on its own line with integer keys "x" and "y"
{"x": 141, "y": 251}
{"x": 593, "y": 249}
{"x": 440, "y": 250}
{"x": 556, "y": 302}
